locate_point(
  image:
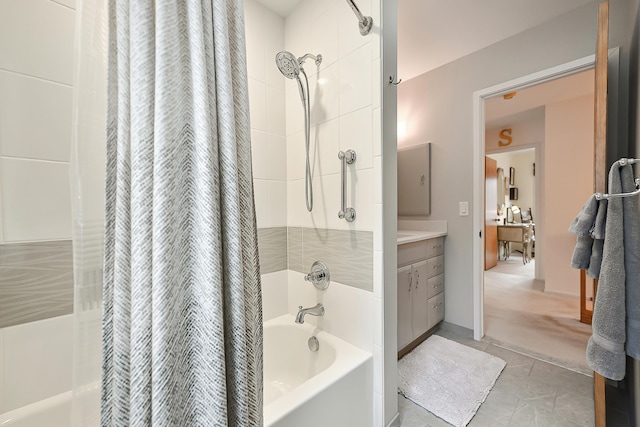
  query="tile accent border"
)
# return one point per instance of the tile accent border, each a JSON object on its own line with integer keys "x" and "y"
{"x": 347, "y": 253}
{"x": 36, "y": 281}
{"x": 272, "y": 248}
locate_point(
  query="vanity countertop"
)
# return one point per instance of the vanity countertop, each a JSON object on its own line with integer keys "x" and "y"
{"x": 410, "y": 236}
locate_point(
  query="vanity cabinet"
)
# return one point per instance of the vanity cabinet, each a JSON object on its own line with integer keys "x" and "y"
{"x": 420, "y": 290}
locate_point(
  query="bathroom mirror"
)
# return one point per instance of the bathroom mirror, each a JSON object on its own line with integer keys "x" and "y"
{"x": 414, "y": 180}
{"x": 501, "y": 183}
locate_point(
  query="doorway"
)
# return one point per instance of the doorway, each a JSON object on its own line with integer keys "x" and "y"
{"x": 522, "y": 303}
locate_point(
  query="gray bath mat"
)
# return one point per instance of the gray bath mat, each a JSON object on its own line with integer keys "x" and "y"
{"x": 448, "y": 379}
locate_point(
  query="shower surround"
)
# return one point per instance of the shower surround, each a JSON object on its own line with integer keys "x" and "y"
{"x": 345, "y": 100}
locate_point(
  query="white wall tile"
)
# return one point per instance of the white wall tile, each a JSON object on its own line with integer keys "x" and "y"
{"x": 259, "y": 154}
{"x": 329, "y": 195}
{"x": 36, "y": 201}
{"x": 274, "y": 294}
{"x": 36, "y": 361}
{"x": 352, "y": 325}
{"x": 325, "y": 33}
{"x": 36, "y": 118}
{"x": 323, "y": 206}
{"x": 275, "y": 111}
{"x": 294, "y": 113}
{"x": 377, "y": 368}
{"x": 326, "y": 146}
{"x": 300, "y": 293}
{"x": 277, "y": 203}
{"x": 258, "y": 104}
{"x": 324, "y": 88}
{"x": 377, "y": 321}
{"x": 360, "y": 197}
{"x": 355, "y": 80}
{"x": 377, "y": 226}
{"x": 349, "y": 32}
{"x": 296, "y": 156}
{"x": 376, "y": 83}
{"x": 274, "y": 43}
{"x": 356, "y": 134}
{"x": 276, "y": 157}
{"x": 36, "y": 39}
{"x": 377, "y": 131}
{"x": 255, "y": 30}
{"x": 377, "y": 180}
{"x": 378, "y": 274}
{"x": 262, "y": 202}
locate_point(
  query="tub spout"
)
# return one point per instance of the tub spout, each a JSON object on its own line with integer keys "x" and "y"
{"x": 316, "y": 310}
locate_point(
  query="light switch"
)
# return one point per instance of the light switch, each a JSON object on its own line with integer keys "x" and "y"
{"x": 464, "y": 208}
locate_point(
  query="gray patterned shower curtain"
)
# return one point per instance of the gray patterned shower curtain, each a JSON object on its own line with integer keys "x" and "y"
{"x": 182, "y": 323}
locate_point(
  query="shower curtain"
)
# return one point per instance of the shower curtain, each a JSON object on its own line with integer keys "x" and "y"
{"x": 182, "y": 323}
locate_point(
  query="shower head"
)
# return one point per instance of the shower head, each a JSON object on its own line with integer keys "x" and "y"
{"x": 288, "y": 64}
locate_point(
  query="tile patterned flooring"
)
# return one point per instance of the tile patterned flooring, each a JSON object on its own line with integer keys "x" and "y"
{"x": 529, "y": 392}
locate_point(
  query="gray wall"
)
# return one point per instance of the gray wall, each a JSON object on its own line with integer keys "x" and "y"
{"x": 445, "y": 115}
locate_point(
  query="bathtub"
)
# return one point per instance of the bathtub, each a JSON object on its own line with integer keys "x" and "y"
{"x": 54, "y": 411}
{"x": 330, "y": 387}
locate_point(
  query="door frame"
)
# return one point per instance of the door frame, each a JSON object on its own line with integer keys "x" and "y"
{"x": 479, "y": 96}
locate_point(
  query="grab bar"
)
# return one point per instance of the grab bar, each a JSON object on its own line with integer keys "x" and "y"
{"x": 347, "y": 158}
{"x": 364, "y": 22}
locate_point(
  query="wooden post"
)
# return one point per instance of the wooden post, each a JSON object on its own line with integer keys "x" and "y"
{"x": 600, "y": 163}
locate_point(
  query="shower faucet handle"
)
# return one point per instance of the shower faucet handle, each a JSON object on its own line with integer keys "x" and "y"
{"x": 319, "y": 275}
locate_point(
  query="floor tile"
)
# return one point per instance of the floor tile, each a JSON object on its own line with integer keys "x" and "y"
{"x": 527, "y": 415}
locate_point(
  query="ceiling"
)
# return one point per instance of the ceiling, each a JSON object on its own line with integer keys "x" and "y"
{"x": 500, "y": 112}
{"x": 432, "y": 33}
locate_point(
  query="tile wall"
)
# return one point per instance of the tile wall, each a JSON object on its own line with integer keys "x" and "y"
{"x": 345, "y": 114}
{"x": 36, "y": 73}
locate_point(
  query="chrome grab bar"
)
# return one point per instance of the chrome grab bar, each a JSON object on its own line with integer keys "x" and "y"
{"x": 347, "y": 158}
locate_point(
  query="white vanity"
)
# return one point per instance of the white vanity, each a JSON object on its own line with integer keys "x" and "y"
{"x": 420, "y": 284}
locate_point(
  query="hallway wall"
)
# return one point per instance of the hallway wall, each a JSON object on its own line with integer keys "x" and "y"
{"x": 437, "y": 107}
{"x": 568, "y": 183}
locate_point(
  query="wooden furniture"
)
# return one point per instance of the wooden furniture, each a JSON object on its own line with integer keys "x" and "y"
{"x": 517, "y": 233}
{"x": 420, "y": 291}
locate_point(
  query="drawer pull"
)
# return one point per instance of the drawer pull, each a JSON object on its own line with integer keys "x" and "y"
{"x": 437, "y": 266}
{"x": 436, "y": 286}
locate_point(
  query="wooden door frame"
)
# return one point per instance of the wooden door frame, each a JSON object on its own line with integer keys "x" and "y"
{"x": 520, "y": 83}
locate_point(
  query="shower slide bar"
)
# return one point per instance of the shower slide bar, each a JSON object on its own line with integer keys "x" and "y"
{"x": 347, "y": 158}
{"x": 364, "y": 22}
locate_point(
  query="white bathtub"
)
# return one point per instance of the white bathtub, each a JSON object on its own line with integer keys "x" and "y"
{"x": 330, "y": 387}
{"x": 54, "y": 411}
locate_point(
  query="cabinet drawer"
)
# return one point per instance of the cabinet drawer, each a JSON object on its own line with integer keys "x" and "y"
{"x": 435, "y": 266}
{"x": 435, "y": 285}
{"x": 435, "y": 247}
{"x": 412, "y": 252}
{"x": 435, "y": 309}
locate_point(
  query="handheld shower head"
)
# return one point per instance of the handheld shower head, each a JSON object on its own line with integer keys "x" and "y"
{"x": 288, "y": 64}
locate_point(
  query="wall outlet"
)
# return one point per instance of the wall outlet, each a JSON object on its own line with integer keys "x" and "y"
{"x": 464, "y": 208}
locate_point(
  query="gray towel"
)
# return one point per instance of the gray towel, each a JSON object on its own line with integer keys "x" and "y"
{"x": 605, "y": 350}
{"x": 631, "y": 262}
{"x": 589, "y": 227}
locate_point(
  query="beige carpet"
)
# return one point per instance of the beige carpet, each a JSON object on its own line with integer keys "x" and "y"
{"x": 521, "y": 317}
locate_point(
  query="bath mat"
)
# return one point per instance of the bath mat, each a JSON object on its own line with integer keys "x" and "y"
{"x": 448, "y": 379}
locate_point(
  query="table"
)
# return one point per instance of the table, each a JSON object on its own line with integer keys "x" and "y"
{"x": 518, "y": 233}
